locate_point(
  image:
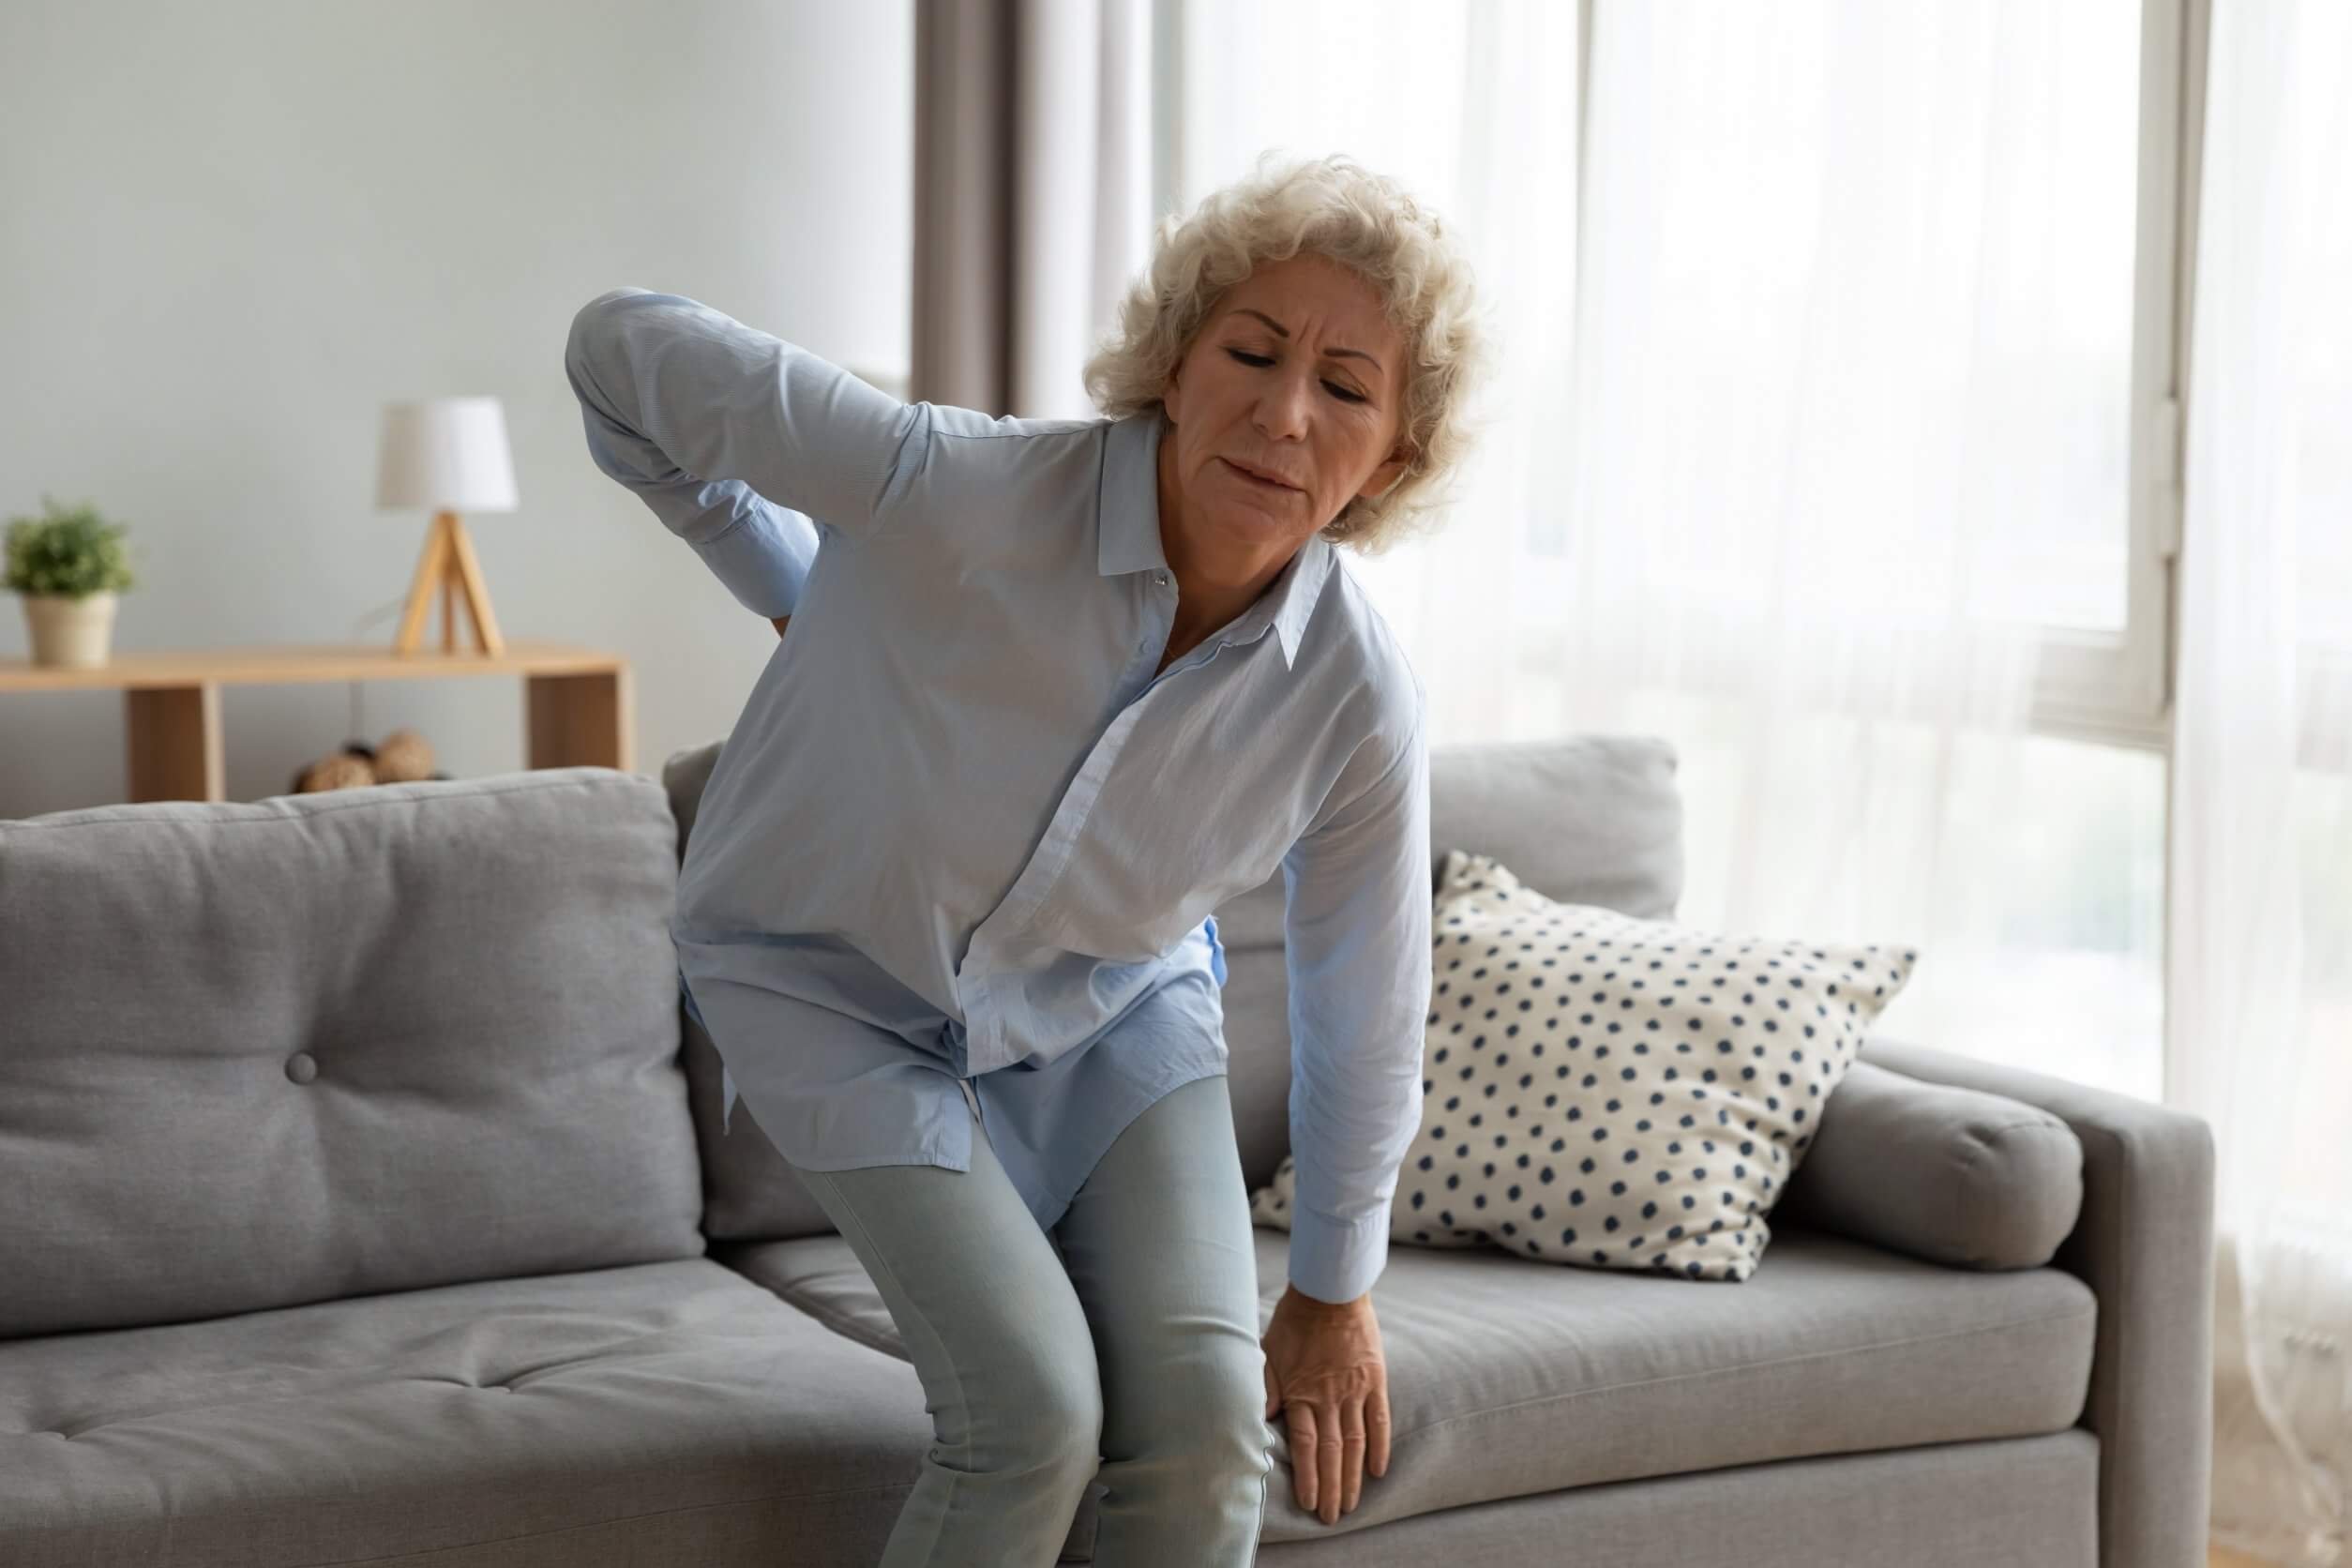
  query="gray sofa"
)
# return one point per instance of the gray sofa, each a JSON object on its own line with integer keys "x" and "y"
{"x": 362, "y": 1199}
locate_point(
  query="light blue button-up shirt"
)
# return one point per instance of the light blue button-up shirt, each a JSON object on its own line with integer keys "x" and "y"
{"x": 966, "y": 833}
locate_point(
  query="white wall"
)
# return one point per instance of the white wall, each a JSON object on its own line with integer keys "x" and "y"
{"x": 229, "y": 231}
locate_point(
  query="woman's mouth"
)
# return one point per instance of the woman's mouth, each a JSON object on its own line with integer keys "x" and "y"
{"x": 1263, "y": 484}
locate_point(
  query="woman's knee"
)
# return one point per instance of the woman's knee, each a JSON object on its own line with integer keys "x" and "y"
{"x": 1210, "y": 1407}
{"x": 1231, "y": 1409}
{"x": 1035, "y": 1421}
{"x": 1021, "y": 1365}
{"x": 1045, "y": 1412}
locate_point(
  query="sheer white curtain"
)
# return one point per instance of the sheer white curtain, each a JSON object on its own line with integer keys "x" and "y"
{"x": 1851, "y": 415}
{"x": 2261, "y": 891}
{"x": 1474, "y": 109}
{"x": 1814, "y": 424}
{"x": 1828, "y": 405}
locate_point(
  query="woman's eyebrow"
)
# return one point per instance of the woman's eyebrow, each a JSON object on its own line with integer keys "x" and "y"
{"x": 1284, "y": 331}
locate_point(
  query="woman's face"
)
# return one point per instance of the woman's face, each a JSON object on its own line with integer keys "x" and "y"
{"x": 1296, "y": 374}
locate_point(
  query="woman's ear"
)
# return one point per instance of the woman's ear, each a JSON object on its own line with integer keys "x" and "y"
{"x": 1384, "y": 478}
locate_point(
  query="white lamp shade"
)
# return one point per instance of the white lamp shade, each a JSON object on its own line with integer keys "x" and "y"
{"x": 446, "y": 455}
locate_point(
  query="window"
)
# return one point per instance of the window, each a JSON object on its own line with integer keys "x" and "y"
{"x": 1905, "y": 276}
{"x": 1967, "y": 209}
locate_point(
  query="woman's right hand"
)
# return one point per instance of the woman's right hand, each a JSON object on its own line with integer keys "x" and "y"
{"x": 779, "y": 623}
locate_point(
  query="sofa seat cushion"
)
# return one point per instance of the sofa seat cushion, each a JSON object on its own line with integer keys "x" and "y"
{"x": 669, "y": 1411}
{"x": 1507, "y": 1378}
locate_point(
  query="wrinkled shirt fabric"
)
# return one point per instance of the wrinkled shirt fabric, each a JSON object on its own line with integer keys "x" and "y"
{"x": 963, "y": 848}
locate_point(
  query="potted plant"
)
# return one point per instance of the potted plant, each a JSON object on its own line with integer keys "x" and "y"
{"x": 68, "y": 564}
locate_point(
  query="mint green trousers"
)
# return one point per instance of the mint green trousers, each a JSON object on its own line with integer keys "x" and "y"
{"x": 1122, "y": 1351}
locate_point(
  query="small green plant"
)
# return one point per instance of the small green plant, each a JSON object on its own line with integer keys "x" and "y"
{"x": 69, "y": 549}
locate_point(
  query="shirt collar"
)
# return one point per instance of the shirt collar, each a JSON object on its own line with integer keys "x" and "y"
{"x": 1130, "y": 535}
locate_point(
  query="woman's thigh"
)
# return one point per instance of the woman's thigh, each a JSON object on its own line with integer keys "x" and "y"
{"x": 1158, "y": 1244}
{"x": 983, "y": 1306}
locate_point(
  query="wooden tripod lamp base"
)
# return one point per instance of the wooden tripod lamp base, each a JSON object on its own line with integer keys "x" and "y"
{"x": 448, "y": 565}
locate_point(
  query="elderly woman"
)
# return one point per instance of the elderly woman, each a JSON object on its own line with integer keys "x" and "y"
{"x": 1048, "y": 692}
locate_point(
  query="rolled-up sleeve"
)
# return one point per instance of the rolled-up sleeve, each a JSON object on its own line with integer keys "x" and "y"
{"x": 742, "y": 445}
{"x": 1357, "y": 928}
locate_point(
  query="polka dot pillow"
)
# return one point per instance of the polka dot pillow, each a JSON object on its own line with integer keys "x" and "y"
{"x": 1614, "y": 1093}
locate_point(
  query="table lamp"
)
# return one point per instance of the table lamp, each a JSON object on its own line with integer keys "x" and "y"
{"x": 449, "y": 455}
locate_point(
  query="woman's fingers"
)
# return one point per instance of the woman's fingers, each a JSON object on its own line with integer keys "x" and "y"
{"x": 1317, "y": 1450}
{"x": 1350, "y": 1459}
{"x": 1305, "y": 1458}
{"x": 1376, "y": 1425}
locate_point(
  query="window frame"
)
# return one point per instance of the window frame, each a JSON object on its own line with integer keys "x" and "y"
{"x": 2116, "y": 688}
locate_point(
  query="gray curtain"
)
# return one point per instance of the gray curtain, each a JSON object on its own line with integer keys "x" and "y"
{"x": 1033, "y": 180}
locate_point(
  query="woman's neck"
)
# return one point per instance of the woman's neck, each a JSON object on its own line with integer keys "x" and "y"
{"x": 1205, "y": 598}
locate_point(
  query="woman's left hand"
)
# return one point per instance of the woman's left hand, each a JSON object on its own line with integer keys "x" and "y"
{"x": 1324, "y": 1366}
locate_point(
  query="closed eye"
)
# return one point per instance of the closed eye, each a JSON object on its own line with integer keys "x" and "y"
{"x": 1338, "y": 390}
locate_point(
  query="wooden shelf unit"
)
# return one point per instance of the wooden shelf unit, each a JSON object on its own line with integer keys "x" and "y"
{"x": 578, "y": 704}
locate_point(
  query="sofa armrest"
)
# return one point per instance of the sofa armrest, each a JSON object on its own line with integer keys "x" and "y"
{"x": 2144, "y": 1243}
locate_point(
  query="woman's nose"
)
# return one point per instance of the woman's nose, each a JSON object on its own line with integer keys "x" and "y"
{"x": 1282, "y": 408}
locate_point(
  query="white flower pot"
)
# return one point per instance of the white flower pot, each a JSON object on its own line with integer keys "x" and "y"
{"x": 70, "y": 630}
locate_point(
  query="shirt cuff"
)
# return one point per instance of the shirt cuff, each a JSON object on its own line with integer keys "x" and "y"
{"x": 765, "y": 567}
{"x": 1332, "y": 1262}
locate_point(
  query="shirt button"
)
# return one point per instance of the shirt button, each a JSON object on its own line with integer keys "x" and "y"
{"x": 1161, "y": 579}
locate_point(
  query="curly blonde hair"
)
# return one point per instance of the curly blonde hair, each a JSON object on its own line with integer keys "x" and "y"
{"x": 1365, "y": 221}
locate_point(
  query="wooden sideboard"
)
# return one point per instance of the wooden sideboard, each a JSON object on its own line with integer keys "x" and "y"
{"x": 578, "y": 705}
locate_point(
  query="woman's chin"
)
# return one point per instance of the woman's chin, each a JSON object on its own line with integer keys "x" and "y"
{"x": 1256, "y": 527}
{"x": 1261, "y": 507}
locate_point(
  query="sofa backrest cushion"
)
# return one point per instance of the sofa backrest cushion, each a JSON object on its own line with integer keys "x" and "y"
{"x": 260, "y": 1054}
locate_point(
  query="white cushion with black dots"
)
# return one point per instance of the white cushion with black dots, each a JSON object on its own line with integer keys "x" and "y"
{"x": 1613, "y": 1092}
